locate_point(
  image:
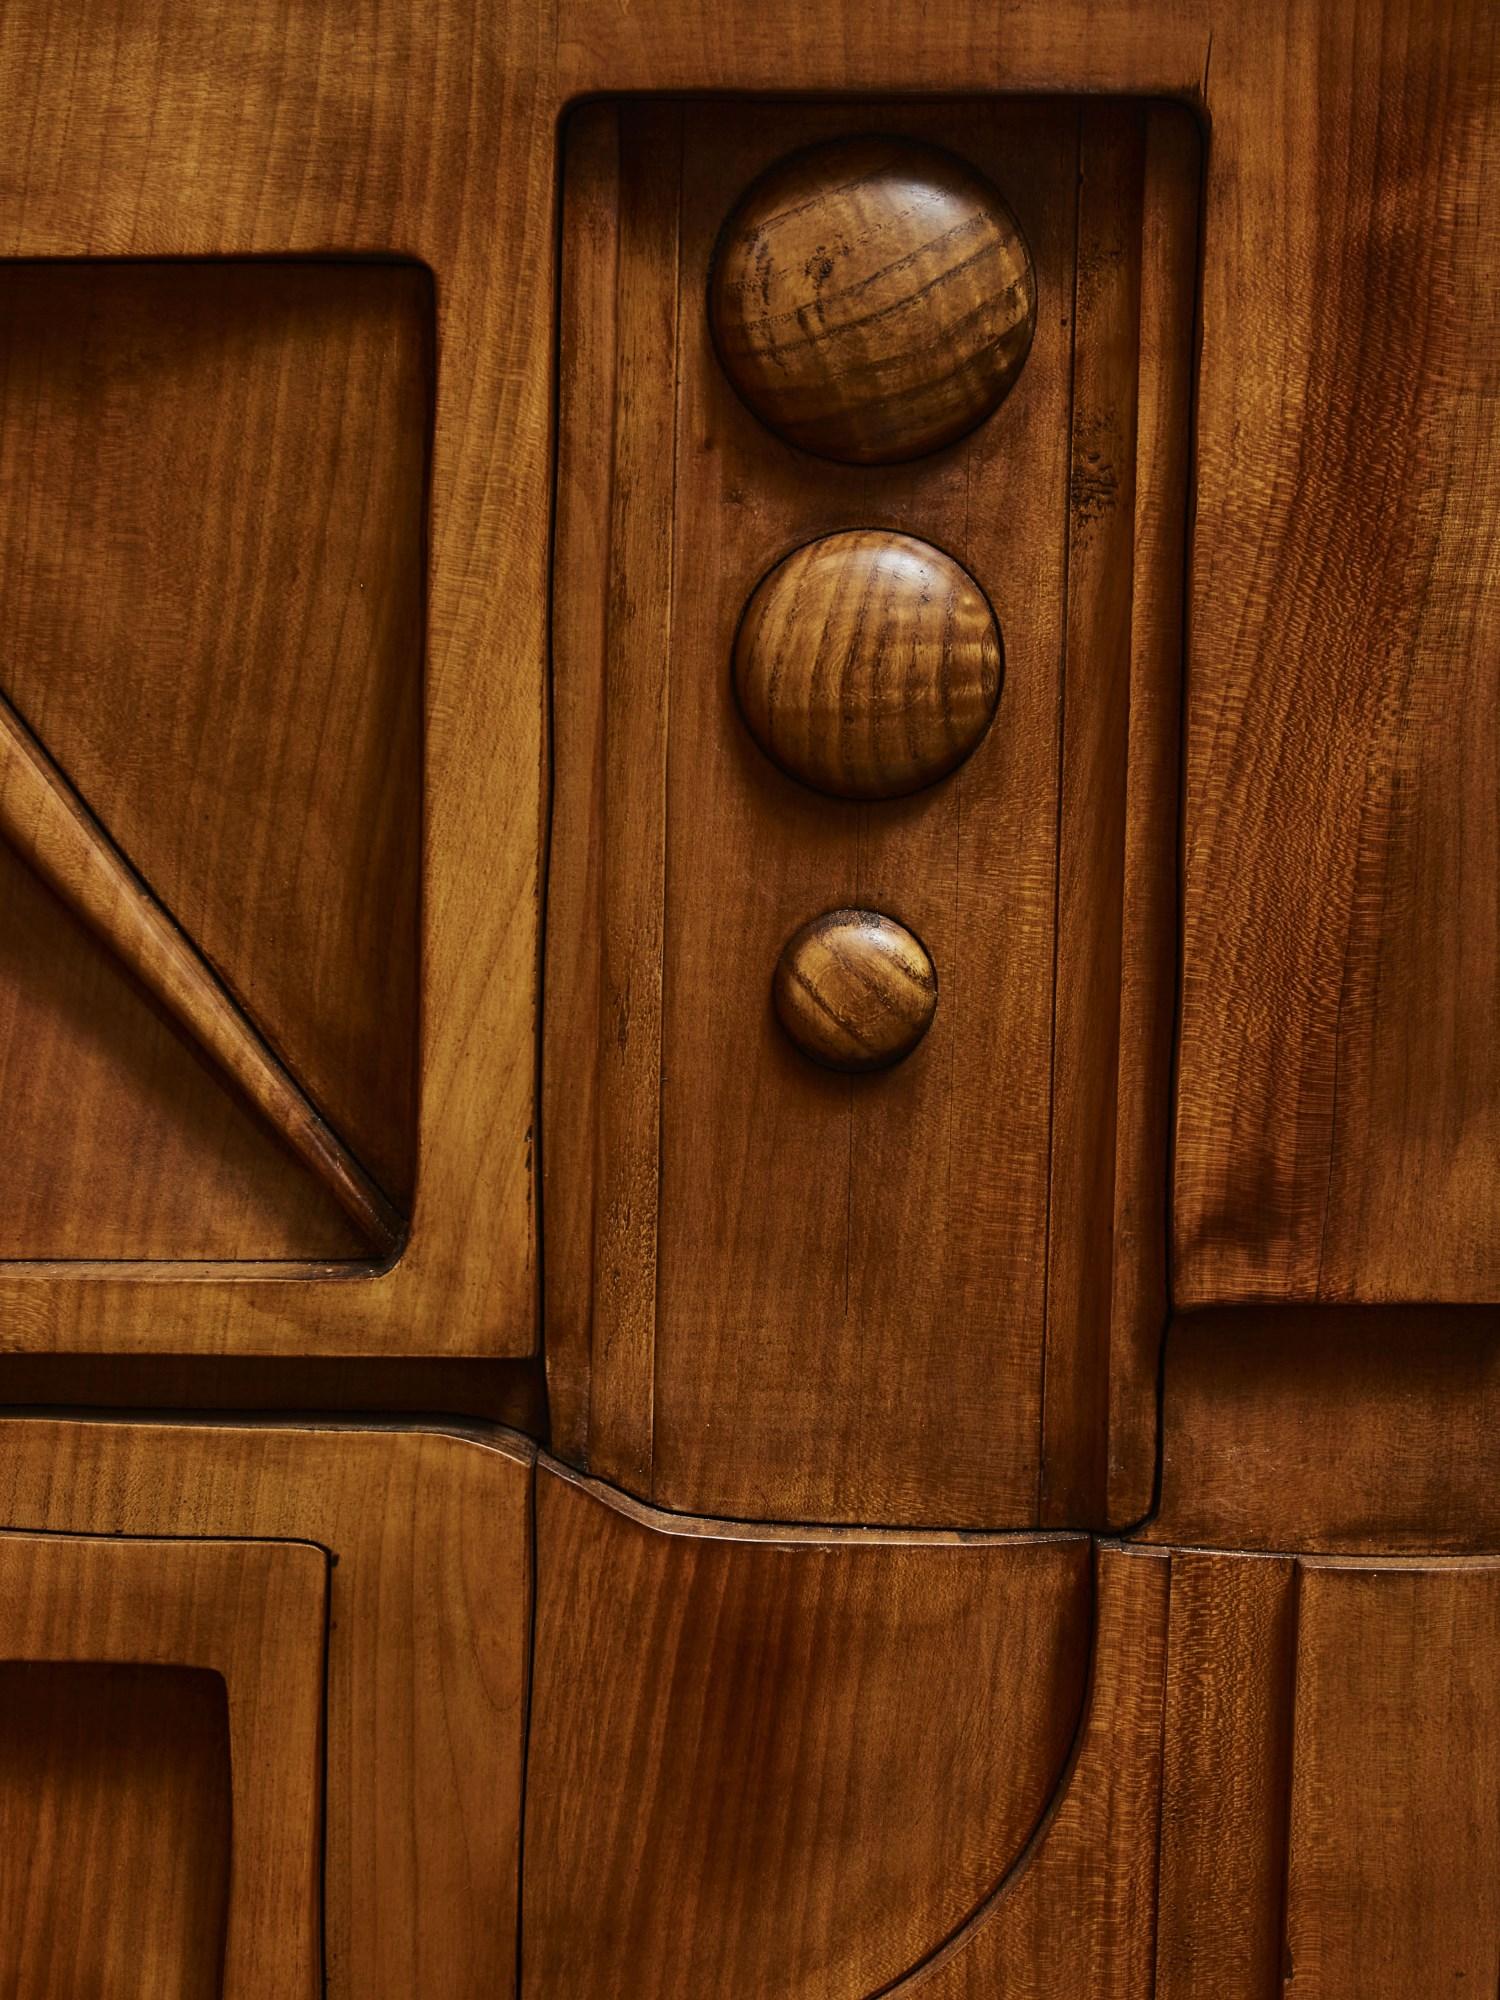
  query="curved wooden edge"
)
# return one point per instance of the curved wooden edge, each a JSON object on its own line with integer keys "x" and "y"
{"x": 714, "y": 1527}
{"x": 50, "y": 826}
{"x": 1076, "y": 1913}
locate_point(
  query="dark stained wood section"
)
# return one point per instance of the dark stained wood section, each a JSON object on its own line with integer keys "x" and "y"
{"x": 1332, "y": 1428}
{"x": 129, "y": 1765}
{"x": 727, "y": 1726}
{"x": 858, "y": 1272}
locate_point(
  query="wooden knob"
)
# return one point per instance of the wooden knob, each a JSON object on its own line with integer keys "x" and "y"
{"x": 872, "y": 299}
{"x": 868, "y": 664}
{"x": 855, "y": 990}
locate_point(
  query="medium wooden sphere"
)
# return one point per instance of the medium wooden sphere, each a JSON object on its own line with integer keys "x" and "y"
{"x": 868, "y": 664}
{"x": 872, "y": 299}
{"x": 855, "y": 990}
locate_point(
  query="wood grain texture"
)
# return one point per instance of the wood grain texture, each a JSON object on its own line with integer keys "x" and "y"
{"x": 307, "y": 137}
{"x": 429, "y": 1611}
{"x": 1324, "y": 1428}
{"x": 1078, "y": 1913}
{"x": 759, "y": 1279}
{"x": 855, "y": 990}
{"x": 1226, "y": 1770}
{"x": 50, "y": 827}
{"x": 1338, "y": 1115}
{"x": 867, "y": 665}
{"x": 728, "y": 1725}
{"x": 872, "y": 299}
{"x": 166, "y": 1151}
{"x": 1391, "y": 1882}
{"x": 254, "y": 1614}
{"x": 212, "y": 493}
{"x": 130, "y": 1764}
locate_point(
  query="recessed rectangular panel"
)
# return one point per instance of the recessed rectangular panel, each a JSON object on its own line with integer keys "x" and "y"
{"x": 774, "y": 1287}
{"x": 212, "y": 503}
{"x": 114, "y": 1831}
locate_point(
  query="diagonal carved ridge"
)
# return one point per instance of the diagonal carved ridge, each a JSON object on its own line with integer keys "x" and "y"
{"x": 51, "y": 827}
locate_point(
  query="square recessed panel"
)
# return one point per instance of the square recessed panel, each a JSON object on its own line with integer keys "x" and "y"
{"x": 212, "y": 520}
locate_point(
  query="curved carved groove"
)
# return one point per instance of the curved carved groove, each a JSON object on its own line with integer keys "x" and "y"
{"x": 50, "y": 826}
{"x": 1075, "y": 1913}
{"x": 727, "y": 1721}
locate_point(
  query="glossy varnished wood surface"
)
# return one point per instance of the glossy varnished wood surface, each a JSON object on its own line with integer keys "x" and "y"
{"x": 429, "y": 1609}
{"x": 1331, "y": 1428}
{"x": 131, "y": 1763}
{"x": 872, "y": 298}
{"x": 867, "y": 664}
{"x": 1338, "y": 1118}
{"x": 727, "y": 1228}
{"x": 333, "y": 140}
{"x": 855, "y": 990}
{"x": 725, "y": 1721}
{"x": 254, "y": 1613}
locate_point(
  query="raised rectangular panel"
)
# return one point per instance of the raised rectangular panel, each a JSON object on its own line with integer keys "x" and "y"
{"x": 1338, "y": 1114}
{"x": 933, "y": 1294}
{"x": 250, "y": 1614}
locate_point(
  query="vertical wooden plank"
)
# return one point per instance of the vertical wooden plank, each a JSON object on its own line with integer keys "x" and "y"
{"x": 1225, "y": 1766}
{"x": 571, "y": 1059}
{"x": 1392, "y": 1888}
{"x": 852, "y": 1275}
{"x": 1148, "y": 969}
{"x": 1096, "y": 717}
{"x": 1338, "y": 1115}
{"x": 611, "y": 661}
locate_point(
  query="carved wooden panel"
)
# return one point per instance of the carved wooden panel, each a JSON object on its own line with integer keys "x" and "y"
{"x": 419, "y": 1672}
{"x": 251, "y": 1613}
{"x": 860, "y": 1268}
{"x": 725, "y": 1721}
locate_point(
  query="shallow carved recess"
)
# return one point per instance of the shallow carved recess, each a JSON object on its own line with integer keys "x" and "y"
{"x": 420, "y": 1715}
{"x": 212, "y": 505}
{"x": 936, "y": 1296}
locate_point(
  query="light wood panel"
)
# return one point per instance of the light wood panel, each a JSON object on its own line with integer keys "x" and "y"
{"x": 1395, "y": 1812}
{"x": 114, "y": 1831}
{"x": 253, "y": 135}
{"x": 428, "y": 1620}
{"x": 1338, "y": 1121}
{"x": 860, "y": 1272}
{"x": 254, "y": 1614}
{"x": 780, "y": 1763}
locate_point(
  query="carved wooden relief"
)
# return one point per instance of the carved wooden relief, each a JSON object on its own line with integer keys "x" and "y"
{"x": 777, "y": 685}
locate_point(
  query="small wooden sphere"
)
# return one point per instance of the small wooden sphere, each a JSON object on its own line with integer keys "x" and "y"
{"x": 855, "y": 990}
{"x": 872, "y": 299}
{"x": 868, "y": 664}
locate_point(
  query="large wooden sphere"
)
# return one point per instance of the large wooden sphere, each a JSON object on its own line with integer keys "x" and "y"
{"x": 872, "y": 299}
{"x": 868, "y": 664}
